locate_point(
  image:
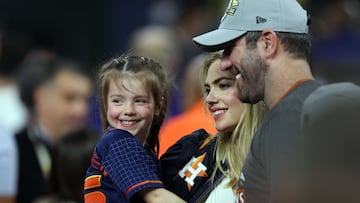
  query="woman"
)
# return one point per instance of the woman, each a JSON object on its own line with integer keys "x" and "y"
{"x": 206, "y": 168}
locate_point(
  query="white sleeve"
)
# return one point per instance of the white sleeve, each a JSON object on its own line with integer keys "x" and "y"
{"x": 8, "y": 163}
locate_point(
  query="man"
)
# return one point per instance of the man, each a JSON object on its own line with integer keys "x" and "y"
{"x": 57, "y": 93}
{"x": 13, "y": 113}
{"x": 266, "y": 45}
{"x": 330, "y": 123}
{"x": 13, "y": 48}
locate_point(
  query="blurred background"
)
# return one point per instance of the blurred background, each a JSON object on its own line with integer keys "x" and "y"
{"x": 88, "y": 30}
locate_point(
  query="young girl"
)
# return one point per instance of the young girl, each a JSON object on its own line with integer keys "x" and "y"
{"x": 206, "y": 168}
{"x": 134, "y": 97}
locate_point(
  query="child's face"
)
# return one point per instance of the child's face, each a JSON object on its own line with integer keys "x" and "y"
{"x": 131, "y": 108}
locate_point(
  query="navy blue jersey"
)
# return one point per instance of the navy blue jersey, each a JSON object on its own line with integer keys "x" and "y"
{"x": 188, "y": 165}
{"x": 120, "y": 167}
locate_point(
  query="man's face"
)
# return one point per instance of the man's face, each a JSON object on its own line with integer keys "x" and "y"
{"x": 65, "y": 103}
{"x": 248, "y": 67}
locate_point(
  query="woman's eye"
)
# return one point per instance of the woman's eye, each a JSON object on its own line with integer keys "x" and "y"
{"x": 206, "y": 91}
{"x": 224, "y": 86}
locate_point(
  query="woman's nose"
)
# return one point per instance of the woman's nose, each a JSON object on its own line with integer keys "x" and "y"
{"x": 211, "y": 98}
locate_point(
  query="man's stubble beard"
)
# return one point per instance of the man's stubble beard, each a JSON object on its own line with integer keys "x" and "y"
{"x": 252, "y": 90}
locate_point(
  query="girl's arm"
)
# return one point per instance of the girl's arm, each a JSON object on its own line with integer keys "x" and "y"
{"x": 159, "y": 195}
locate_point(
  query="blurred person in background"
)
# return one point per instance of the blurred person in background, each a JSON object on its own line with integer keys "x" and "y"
{"x": 185, "y": 19}
{"x": 330, "y": 122}
{"x": 13, "y": 113}
{"x": 71, "y": 157}
{"x": 56, "y": 91}
{"x": 8, "y": 166}
{"x": 159, "y": 43}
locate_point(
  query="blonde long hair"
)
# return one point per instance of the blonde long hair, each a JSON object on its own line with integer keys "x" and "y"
{"x": 234, "y": 146}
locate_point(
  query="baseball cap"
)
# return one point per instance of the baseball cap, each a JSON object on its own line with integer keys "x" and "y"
{"x": 254, "y": 15}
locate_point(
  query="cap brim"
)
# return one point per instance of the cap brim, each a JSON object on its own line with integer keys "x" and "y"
{"x": 217, "y": 39}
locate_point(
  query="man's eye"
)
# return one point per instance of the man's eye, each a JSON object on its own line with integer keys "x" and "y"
{"x": 227, "y": 51}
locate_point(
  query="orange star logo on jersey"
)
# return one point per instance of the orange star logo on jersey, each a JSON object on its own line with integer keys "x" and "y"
{"x": 194, "y": 168}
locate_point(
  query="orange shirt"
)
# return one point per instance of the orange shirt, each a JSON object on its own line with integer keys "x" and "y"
{"x": 176, "y": 127}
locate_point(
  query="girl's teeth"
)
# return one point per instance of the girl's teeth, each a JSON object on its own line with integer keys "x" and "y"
{"x": 129, "y": 122}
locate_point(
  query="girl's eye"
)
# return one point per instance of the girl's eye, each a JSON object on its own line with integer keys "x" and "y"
{"x": 141, "y": 101}
{"x": 116, "y": 101}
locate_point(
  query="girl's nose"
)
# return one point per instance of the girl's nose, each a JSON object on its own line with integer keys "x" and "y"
{"x": 129, "y": 109}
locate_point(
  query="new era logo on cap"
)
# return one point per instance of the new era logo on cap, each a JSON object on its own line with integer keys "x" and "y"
{"x": 260, "y": 20}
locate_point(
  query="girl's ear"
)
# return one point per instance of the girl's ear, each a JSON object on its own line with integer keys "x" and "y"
{"x": 161, "y": 104}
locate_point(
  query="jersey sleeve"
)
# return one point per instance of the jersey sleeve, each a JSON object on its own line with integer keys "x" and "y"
{"x": 131, "y": 166}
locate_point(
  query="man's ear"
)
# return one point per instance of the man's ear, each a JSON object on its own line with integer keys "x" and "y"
{"x": 38, "y": 96}
{"x": 270, "y": 40}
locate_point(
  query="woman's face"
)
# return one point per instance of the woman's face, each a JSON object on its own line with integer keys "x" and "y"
{"x": 221, "y": 96}
{"x": 131, "y": 108}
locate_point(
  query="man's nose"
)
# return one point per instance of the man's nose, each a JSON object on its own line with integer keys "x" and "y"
{"x": 225, "y": 63}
